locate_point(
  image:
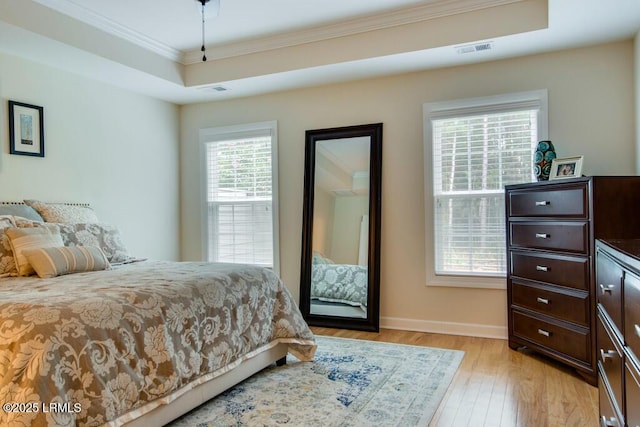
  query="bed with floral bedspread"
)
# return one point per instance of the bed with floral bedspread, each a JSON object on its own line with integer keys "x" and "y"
{"x": 105, "y": 347}
{"x": 339, "y": 283}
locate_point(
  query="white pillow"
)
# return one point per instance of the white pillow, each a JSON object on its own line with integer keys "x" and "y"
{"x": 6, "y": 221}
{"x": 60, "y": 212}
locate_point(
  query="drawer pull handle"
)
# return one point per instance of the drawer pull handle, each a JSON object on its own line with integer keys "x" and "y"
{"x": 542, "y": 300}
{"x": 606, "y": 289}
{"x": 543, "y": 332}
{"x": 609, "y": 422}
{"x": 542, "y": 268}
{"x": 542, "y": 236}
{"x": 543, "y": 203}
{"x": 607, "y": 356}
{"x": 637, "y": 329}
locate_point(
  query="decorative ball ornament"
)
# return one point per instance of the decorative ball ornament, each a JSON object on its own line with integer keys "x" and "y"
{"x": 542, "y": 158}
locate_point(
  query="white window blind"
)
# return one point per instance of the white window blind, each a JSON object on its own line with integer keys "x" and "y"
{"x": 476, "y": 152}
{"x": 239, "y": 197}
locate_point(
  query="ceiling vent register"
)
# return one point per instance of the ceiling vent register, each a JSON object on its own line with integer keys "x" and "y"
{"x": 477, "y": 47}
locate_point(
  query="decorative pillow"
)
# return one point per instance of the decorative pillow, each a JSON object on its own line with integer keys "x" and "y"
{"x": 52, "y": 262}
{"x": 6, "y": 221}
{"x": 22, "y": 222}
{"x": 318, "y": 258}
{"x": 7, "y": 264}
{"x": 104, "y": 236}
{"x": 19, "y": 209}
{"x": 22, "y": 239}
{"x": 60, "y": 212}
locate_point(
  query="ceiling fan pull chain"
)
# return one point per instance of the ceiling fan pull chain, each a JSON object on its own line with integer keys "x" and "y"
{"x": 203, "y": 49}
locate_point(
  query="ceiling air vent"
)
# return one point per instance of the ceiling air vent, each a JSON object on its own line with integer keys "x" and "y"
{"x": 216, "y": 88}
{"x": 477, "y": 47}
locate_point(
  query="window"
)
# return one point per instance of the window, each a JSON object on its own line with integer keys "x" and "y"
{"x": 239, "y": 194}
{"x": 476, "y": 147}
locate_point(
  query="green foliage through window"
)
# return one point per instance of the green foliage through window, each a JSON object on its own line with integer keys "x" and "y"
{"x": 474, "y": 157}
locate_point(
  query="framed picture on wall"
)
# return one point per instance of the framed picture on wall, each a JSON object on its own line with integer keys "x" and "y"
{"x": 26, "y": 129}
{"x": 570, "y": 167}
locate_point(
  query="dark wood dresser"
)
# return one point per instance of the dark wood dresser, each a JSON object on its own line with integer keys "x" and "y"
{"x": 618, "y": 336}
{"x": 551, "y": 231}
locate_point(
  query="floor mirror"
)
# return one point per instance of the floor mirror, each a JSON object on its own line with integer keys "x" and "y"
{"x": 340, "y": 263}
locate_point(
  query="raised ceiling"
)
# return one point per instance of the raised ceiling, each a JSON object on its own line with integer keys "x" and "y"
{"x": 257, "y": 46}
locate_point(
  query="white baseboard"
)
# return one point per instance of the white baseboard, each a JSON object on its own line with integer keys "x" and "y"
{"x": 449, "y": 328}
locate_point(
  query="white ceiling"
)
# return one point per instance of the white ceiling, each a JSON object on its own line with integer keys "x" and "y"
{"x": 340, "y": 166}
{"x": 257, "y": 46}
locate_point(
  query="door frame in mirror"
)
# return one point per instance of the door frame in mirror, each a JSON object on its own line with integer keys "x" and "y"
{"x": 312, "y": 137}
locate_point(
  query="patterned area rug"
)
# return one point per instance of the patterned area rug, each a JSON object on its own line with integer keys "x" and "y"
{"x": 349, "y": 383}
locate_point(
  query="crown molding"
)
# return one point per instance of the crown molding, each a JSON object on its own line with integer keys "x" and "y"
{"x": 409, "y": 15}
{"x": 109, "y": 26}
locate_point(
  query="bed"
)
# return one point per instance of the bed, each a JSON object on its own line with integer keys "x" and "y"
{"x": 140, "y": 342}
{"x": 338, "y": 289}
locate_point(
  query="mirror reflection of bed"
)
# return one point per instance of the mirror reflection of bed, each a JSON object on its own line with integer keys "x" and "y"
{"x": 339, "y": 273}
{"x": 340, "y": 262}
{"x": 338, "y": 289}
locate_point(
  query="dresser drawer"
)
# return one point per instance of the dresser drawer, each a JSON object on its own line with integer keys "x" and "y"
{"x": 609, "y": 287}
{"x": 561, "y": 202}
{"x": 632, "y": 313}
{"x": 561, "y": 236}
{"x": 561, "y": 270}
{"x": 610, "y": 360}
{"x": 608, "y": 415}
{"x": 569, "y": 305}
{"x": 632, "y": 381}
{"x": 572, "y": 341}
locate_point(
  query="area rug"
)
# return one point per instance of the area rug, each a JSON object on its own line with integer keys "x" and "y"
{"x": 349, "y": 383}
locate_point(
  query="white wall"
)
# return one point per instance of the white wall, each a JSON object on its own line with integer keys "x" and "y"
{"x": 591, "y": 109}
{"x": 111, "y": 148}
{"x": 323, "y": 215}
{"x": 345, "y": 243}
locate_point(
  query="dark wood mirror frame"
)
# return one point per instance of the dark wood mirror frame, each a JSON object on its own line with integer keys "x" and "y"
{"x": 372, "y": 320}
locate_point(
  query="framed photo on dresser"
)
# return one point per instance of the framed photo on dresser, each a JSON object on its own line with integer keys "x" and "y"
{"x": 570, "y": 167}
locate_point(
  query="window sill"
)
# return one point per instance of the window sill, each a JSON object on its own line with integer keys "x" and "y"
{"x": 475, "y": 282}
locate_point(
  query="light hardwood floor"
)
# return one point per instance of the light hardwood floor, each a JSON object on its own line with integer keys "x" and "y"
{"x": 497, "y": 386}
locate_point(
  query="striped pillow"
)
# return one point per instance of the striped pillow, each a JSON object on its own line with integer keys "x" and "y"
{"x": 52, "y": 262}
{"x": 22, "y": 239}
{"x": 7, "y": 263}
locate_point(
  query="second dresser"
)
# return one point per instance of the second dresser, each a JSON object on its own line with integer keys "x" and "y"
{"x": 551, "y": 232}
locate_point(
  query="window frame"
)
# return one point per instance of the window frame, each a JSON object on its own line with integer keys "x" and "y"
{"x": 222, "y": 133}
{"x": 480, "y": 105}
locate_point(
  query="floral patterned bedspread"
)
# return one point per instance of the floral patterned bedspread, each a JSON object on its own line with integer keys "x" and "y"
{"x": 342, "y": 283}
{"x": 90, "y": 348}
